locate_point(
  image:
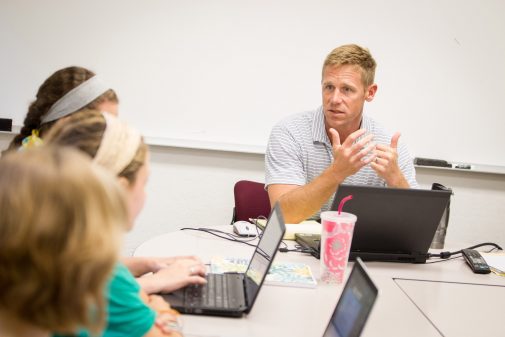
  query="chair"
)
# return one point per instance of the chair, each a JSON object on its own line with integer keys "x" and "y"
{"x": 251, "y": 201}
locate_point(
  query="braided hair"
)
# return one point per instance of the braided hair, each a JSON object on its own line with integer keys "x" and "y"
{"x": 54, "y": 88}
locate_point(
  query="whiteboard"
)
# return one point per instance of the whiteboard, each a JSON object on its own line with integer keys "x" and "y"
{"x": 225, "y": 71}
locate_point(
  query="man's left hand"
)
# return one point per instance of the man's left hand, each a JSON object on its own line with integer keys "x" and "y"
{"x": 386, "y": 163}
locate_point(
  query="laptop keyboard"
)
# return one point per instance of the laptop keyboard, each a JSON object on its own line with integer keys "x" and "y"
{"x": 214, "y": 294}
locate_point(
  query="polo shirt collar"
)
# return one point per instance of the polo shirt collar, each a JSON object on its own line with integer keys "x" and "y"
{"x": 318, "y": 129}
{"x": 366, "y": 123}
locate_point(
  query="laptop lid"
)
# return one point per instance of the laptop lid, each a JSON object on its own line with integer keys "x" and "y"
{"x": 263, "y": 255}
{"x": 248, "y": 284}
{"x": 355, "y": 304}
{"x": 392, "y": 220}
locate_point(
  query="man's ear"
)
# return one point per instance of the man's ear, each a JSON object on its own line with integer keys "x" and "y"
{"x": 370, "y": 92}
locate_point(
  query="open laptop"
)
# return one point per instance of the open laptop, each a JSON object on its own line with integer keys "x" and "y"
{"x": 354, "y": 306}
{"x": 233, "y": 294}
{"x": 393, "y": 224}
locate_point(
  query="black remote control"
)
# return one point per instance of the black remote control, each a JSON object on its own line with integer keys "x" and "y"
{"x": 476, "y": 261}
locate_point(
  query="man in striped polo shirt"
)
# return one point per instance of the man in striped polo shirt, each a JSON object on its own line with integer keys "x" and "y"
{"x": 309, "y": 154}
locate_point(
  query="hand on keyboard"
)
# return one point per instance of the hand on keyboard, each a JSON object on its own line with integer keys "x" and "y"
{"x": 177, "y": 275}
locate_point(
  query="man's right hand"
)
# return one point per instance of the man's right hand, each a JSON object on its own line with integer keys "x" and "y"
{"x": 349, "y": 158}
{"x": 300, "y": 202}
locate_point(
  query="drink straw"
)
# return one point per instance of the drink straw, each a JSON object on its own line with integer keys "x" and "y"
{"x": 342, "y": 202}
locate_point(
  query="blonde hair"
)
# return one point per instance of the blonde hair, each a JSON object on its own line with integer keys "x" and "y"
{"x": 353, "y": 54}
{"x": 60, "y": 232}
{"x": 84, "y": 130}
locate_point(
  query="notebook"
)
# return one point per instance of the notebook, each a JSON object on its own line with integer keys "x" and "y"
{"x": 393, "y": 224}
{"x": 354, "y": 305}
{"x": 289, "y": 274}
{"x": 233, "y": 294}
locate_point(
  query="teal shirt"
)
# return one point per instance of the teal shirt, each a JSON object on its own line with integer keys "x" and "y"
{"x": 127, "y": 314}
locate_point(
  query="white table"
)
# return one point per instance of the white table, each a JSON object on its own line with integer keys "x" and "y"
{"x": 407, "y": 305}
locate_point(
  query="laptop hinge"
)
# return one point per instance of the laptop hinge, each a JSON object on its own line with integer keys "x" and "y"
{"x": 244, "y": 285}
{"x": 389, "y": 257}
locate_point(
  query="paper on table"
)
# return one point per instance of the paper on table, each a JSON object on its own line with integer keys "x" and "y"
{"x": 305, "y": 227}
{"x": 291, "y": 274}
{"x": 495, "y": 260}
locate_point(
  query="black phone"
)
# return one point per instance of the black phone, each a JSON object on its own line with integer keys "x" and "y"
{"x": 476, "y": 261}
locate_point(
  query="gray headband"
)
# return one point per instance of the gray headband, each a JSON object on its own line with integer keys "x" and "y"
{"x": 75, "y": 99}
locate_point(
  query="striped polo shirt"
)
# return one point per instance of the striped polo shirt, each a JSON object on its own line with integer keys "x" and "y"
{"x": 299, "y": 150}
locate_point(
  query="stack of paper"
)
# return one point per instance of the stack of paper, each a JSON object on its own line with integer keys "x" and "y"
{"x": 496, "y": 261}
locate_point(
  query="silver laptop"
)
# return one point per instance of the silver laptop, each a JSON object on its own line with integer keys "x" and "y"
{"x": 233, "y": 294}
{"x": 354, "y": 306}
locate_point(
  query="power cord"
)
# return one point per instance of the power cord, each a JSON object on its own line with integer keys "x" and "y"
{"x": 257, "y": 225}
{"x": 240, "y": 239}
{"x": 445, "y": 256}
{"x": 222, "y": 235}
{"x": 233, "y": 237}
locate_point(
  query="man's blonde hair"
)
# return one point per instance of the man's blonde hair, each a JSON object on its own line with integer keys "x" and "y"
{"x": 61, "y": 226}
{"x": 353, "y": 54}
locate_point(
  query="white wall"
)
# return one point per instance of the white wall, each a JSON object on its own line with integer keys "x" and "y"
{"x": 195, "y": 188}
{"x": 224, "y": 71}
{"x": 191, "y": 188}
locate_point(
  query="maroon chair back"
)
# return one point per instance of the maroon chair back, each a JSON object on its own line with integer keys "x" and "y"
{"x": 251, "y": 200}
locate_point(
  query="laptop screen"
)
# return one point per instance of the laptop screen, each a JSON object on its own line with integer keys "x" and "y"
{"x": 264, "y": 254}
{"x": 354, "y": 305}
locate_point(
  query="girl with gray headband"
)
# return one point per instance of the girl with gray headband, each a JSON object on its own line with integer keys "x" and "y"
{"x": 63, "y": 93}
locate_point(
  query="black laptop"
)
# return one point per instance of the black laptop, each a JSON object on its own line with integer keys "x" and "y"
{"x": 354, "y": 306}
{"x": 393, "y": 224}
{"x": 233, "y": 294}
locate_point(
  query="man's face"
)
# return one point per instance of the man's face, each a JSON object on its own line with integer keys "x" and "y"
{"x": 344, "y": 95}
